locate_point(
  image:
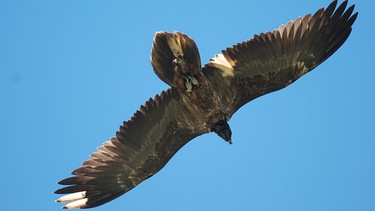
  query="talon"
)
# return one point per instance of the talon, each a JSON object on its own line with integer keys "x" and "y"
{"x": 188, "y": 85}
{"x": 193, "y": 80}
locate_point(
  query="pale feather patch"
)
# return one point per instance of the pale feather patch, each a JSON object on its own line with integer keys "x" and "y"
{"x": 301, "y": 66}
{"x": 72, "y": 197}
{"x": 76, "y": 200}
{"x": 175, "y": 45}
{"x": 76, "y": 204}
{"x": 220, "y": 62}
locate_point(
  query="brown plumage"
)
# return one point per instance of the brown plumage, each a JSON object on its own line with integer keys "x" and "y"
{"x": 202, "y": 99}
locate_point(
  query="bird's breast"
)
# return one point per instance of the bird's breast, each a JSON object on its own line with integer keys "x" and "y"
{"x": 202, "y": 103}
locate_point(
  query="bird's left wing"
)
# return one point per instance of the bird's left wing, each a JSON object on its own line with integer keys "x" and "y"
{"x": 141, "y": 148}
{"x": 273, "y": 60}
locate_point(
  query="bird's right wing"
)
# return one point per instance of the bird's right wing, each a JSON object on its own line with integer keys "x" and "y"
{"x": 140, "y": 149}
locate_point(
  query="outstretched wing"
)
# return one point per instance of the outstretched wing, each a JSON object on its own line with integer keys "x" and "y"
{"x": 141, "y": 148}
{"x": 273, "y": 60}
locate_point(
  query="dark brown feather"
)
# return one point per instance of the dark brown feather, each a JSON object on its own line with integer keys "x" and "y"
{"x": 271, "y": 61}
{"x": 266, "y": 63}
{"x": 141, "y": 148}
{"x": 162, "y": 57}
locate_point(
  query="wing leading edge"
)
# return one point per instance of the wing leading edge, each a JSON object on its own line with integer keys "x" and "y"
{"x": 142, "y": 146}
{"x": 271, "y": 61}
{"x": 266, "y": 63}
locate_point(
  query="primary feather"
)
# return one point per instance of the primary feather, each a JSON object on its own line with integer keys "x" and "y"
{"x": 202, "y": 99}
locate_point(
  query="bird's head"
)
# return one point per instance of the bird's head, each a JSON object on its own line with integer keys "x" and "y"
{"x": 222, "y": 129}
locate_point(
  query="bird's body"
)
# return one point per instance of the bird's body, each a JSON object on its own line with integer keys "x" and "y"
{"x": 202, "y": 99}
{"x": 201, "y": 105}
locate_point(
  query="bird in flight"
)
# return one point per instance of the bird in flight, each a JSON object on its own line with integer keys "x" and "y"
{"x": 202, "y": 99}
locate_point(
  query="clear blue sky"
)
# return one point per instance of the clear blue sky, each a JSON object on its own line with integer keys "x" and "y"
{"x": 72, "y": 71}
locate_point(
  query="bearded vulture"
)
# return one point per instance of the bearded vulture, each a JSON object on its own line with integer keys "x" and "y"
{"x": 202, "y": 99}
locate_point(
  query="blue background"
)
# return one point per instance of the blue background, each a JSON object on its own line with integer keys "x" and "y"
{"x": 72, "y": 71}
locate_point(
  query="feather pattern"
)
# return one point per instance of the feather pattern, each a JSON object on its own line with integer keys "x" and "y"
{"x": 138, "y": 151}
{"x": 202, "y": 100}
{"x": 273, "y": 60}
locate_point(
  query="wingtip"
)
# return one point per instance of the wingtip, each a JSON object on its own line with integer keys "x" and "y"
{"x": 77, "y": 200}
{"x": 72, "y": 197}
{"x": 75, "y": 204}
